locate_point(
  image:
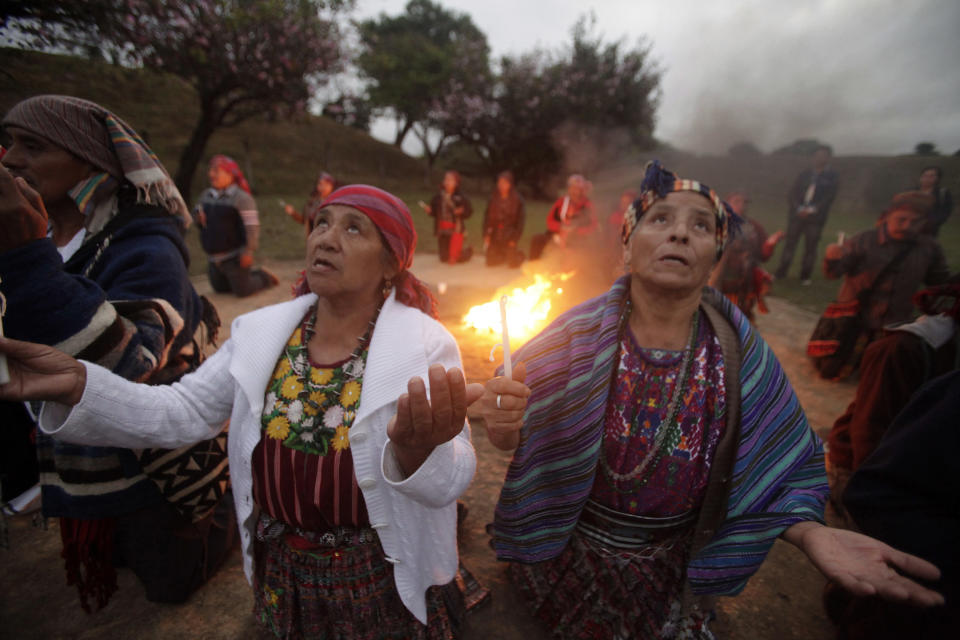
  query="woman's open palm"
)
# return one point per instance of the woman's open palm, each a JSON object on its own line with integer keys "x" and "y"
{"x": 865, "y": 566}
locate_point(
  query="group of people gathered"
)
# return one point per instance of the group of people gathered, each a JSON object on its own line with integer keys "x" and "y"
{"x": 658, "y": 449}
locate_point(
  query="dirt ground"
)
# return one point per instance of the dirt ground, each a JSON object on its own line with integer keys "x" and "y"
{"x": 782, "y": 601}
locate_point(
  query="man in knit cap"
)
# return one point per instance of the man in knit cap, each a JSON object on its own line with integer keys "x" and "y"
{"x": 92, "y": 261}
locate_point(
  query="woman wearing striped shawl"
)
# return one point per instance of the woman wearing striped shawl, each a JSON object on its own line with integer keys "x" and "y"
{"x": 660, "y": 450}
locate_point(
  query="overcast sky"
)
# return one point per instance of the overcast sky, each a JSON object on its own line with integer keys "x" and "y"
{"x": 867, "y": 76}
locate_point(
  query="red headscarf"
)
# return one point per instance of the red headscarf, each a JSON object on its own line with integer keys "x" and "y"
{"x": 230, "y": 165}
{"x": 392, "y": 218}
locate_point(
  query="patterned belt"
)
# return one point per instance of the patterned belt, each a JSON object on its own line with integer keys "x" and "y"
{"x": 617, "y": 530}
{"x": 269, "y": 528}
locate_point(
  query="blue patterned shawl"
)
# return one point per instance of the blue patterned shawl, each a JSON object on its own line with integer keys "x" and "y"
{"x": 778, "y": 475}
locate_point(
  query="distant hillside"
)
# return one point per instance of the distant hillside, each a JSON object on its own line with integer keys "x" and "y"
{"x": 280, "y": 157}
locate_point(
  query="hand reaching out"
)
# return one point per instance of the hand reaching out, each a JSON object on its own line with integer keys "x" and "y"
{"x": 421, "y": 424}
{"x": 865, "y": 566}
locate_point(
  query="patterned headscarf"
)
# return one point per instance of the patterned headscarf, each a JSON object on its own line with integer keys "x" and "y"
{"x": 658, "y": 182}
{"x": 392, "y": 218}
{"x": 230, "y": 165}
{"x": 102, "y": 139}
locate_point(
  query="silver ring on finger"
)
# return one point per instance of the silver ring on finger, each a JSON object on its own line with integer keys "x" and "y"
{"x": 499, "y": 397}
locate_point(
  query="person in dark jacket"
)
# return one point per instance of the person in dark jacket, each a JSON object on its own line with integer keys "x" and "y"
{"x": 503, "y": 223}
{"x": 450, "y": 209}
{"x": 230, "y": 231}
{"x": 93, "y": 261}
{"x": 905, "y": 494}
{"x": 942, "y": 207}
{"x": 808, "y": 204}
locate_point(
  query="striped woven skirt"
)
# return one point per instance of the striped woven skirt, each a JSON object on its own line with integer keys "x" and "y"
{"x": 347, "y": 592}
{"x": 592, "y": 591}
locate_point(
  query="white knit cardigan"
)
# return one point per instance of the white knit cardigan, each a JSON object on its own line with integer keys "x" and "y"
{"x": 415, "y": 516}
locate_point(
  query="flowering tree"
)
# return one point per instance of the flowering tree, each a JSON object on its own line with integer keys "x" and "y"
{"x": 418, "y": 57}
{"x": 243, "y": 57}
{"x": 547, "y": 112}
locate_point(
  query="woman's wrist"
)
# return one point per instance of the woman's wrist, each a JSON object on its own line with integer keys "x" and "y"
{"x": 410, "y": 459}
{"x": 796, "y": 534}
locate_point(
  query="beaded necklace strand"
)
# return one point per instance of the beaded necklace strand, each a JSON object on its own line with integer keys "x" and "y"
{"x": 668, "y": 431}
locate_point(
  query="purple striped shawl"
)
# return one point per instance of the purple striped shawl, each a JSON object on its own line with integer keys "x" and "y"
{"x": 778, "y": 476}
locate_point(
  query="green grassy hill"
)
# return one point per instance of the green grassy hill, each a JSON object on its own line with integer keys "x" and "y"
{"x": 281, "y": 159}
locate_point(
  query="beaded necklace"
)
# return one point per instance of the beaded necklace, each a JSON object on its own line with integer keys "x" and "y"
{"x": 354, "y": 364}
{"x": 668, "y": 432}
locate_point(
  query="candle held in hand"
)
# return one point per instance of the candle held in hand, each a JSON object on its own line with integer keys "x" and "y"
{"x": 507, "y": 365}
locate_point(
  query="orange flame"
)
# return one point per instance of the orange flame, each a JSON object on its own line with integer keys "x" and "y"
{"x": 528, "y": 308}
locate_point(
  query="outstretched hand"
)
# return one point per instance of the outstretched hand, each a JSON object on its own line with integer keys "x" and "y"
{"x": 23, "y": 217}
{"x": 501, "y": 407}
{"x": 865, "y": 566}
{"x": 421, "y": 424}
{"x": 39, "y": 372}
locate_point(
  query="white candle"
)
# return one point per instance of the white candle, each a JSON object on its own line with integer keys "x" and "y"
{"x": 840, "y": 238}
{"x": 507, "y": 365}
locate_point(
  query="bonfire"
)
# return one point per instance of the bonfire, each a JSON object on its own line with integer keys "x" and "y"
{"x": 529, "y": 307}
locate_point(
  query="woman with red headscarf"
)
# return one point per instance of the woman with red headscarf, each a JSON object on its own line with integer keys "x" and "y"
{"x": 347, "y": 432}
{"x": 230, "y": 231}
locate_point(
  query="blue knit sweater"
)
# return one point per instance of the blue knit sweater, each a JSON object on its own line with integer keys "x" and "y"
{"x": 125, "y": 301}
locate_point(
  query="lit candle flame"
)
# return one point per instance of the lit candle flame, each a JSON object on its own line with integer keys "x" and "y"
{"x": 530, "y": 308}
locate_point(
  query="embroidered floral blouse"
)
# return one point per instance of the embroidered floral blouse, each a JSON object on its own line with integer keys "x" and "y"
{"x": 302, "y": 467}
{"x": 638, "y": 403}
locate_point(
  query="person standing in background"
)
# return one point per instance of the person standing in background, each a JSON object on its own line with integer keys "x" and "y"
{"x": 929, "y": 183}
{"x": 230, "y": 231}
{"x": 809, "y": 203}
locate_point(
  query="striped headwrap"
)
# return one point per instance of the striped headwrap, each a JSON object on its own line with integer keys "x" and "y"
{"x": 99, "y": 137}
{"x": 658, "y": 182}
{"x": 230, "y": 165}
{"x": 392, "y": 218}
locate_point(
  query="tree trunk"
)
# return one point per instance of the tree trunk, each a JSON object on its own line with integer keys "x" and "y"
{"x": 402, "y": 133}
{"x": 193, "y": 152}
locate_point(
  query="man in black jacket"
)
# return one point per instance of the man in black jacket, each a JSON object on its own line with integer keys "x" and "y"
{"x": 809, "y": 203}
